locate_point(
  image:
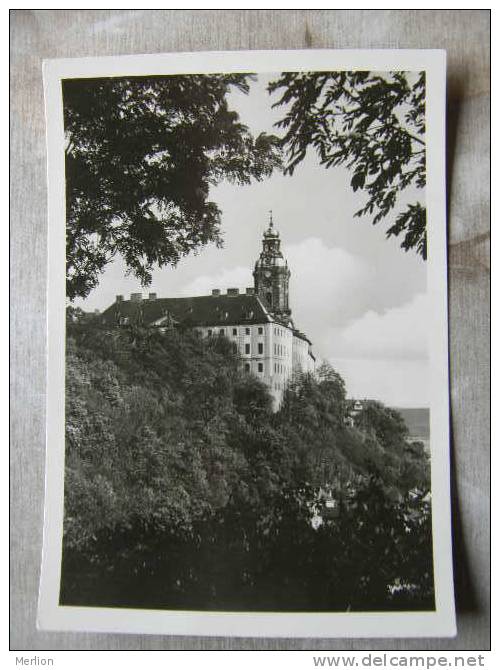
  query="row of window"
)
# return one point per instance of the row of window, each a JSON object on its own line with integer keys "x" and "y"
{"x": 279, "y": 368}
{"x": 280, "y": 350}
{"x": 279, "y": 332}
{"x": 260, "y": 348}
{"x": 222, "y": 331}
{"x": 260, "y": 367}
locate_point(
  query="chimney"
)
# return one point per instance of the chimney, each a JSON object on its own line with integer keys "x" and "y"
{"x": 135, "y": 297}
{"x": 233, "y": 291}
{"x": 216, "y": 291}
{"x": 250, "y": 290}
{"x": 119, "y": 298}
{"x": 97, "y": 311}
{"x": 152, "y": 296}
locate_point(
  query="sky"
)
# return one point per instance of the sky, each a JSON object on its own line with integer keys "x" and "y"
{"x": 359, "y": 298}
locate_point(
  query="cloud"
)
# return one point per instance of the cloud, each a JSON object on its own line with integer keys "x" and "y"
{"x": 238, "y": 277}
{"x": 385, "y": 356}
{"x": 397, "y": 383}
{"x": 327, "y": 285}
{"x": 332, "y": 296}
{"x": 397, "y": 333}
{"x": 337, "y": 299}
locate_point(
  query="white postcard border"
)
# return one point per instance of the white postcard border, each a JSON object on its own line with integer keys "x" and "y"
{"x": 52, "y": 616}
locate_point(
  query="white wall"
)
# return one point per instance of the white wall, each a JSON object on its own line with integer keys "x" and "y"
{"x": 281, "y": 355}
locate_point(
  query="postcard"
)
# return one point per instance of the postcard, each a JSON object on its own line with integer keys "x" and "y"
{"x": 247, "y": 404}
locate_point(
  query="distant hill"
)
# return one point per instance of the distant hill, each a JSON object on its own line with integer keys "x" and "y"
{"x": 417, "y": 419}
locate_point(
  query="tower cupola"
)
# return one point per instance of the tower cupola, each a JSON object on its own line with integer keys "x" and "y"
{"x": 271, "y": 273}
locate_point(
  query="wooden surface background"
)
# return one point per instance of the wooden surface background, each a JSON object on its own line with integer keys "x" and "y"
{"x": 40, "y": 34}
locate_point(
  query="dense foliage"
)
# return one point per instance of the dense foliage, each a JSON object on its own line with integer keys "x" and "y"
{"x": 184, "y": 490}
{"x": 141, "y": 156}
{"x": 372, "y": 123}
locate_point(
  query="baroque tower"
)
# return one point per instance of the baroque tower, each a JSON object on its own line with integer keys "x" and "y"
{"x": 271, "y": 274}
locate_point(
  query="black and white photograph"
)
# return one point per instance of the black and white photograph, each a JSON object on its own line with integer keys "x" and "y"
{"x": 248, "y": 395}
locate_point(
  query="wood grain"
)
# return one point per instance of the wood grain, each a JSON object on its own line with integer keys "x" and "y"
{"x": 36, "y": 35}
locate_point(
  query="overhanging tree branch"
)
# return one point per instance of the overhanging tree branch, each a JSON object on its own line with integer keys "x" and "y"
{"x": 141, "y": 156}
{"x": 354, "y": 119}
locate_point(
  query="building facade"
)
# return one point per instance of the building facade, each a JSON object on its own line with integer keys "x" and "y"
{"x": 258, "y": 320}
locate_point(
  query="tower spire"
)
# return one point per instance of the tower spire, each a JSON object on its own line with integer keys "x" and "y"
{"x": 271, "y": 274}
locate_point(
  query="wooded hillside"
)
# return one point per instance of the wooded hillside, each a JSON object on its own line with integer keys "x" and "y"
{"x": 184, "y": 490}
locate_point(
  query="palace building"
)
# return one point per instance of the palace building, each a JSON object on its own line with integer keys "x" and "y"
{"x": 258, "y": 319}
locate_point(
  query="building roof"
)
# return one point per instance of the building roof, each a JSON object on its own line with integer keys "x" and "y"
{"x": 271, "y": 231}
{"x": 197, "y": 311}
{"x": 204, "y": 310}
{"x": 301, "y": 336}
